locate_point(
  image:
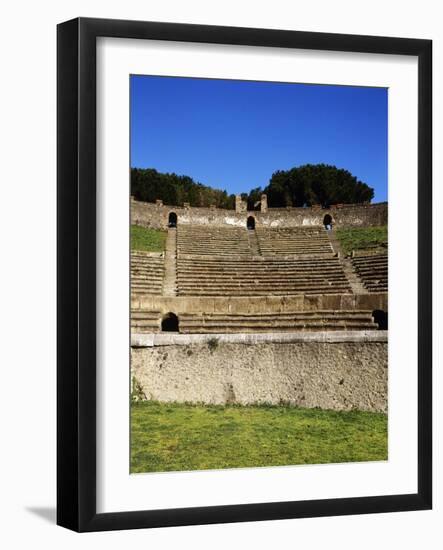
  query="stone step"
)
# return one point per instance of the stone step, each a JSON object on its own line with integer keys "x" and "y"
{"x": 369, "y": 268}
{"x": 280, "y": 328}
{"x": 274, "y": 276}
{"x": 265, "y": 285}
{"x": 150, "y": 321}
{"x": 243, "y": 292}
{"x": 258, "y": 291}
{"x": 146, "y": 280}
{"x": 207, "y": 247}
{"x": 371, "y": 263}
{"x": 376, "y": 277}
{"x": 147, "y": 266}
{"x": 378, "y": 288}
{"x": 259, "y": 266}
{"x": 311, "y": 328}
{"x": 216, "y": 251}
{"x": 278, "y": 281}
{"x": 143, "y": 314}
{"x": 250, "y": 267}
{"x": 146, "y": 262}
{"x": 143, "y": 274}
{"x": 150, "y": 291}
{"x": 279, "y": 277}
{"x": 260, "y": 261}
{"x": 372, "y": 271}
{"x": 271, "y": 275}
{"x": 294, "y": 249}
{"x": 146, "y": 284}
{"x": 225, "y": 274}
{"x": 189, "y": 324}
{"x": 309, "y": 241}
{"x": 322, "y": 314}
{"x": 370, "y": 257}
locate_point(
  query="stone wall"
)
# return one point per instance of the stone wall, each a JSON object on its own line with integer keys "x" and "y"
{"x": 339, "y": 372}
{"x": 273, "y": 304}
{"x": 156, "y": 215}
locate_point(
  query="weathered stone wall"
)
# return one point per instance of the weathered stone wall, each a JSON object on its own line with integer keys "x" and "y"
{"x": 156, "y": 216}
{"x": 336, "y": 372}
{"x": 271, "y": 304}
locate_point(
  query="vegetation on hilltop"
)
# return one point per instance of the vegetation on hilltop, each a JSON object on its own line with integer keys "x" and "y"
{"x": 149, "y": 185}
{"x": 175, "y": 437}
{"x": 316, "y": 184}
{"x": 300, "y": 186}
{"x": 149, "y": 240}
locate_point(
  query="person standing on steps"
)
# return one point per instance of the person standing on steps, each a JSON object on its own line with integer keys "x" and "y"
{"x": 327, "y": 222}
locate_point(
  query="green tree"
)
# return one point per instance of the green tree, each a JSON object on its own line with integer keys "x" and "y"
{"x": 147, "y": 184}
{"x": 300, "y": 186}
{"x": 316, "y": 184}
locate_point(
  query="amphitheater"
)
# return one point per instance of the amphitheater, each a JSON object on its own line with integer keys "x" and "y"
{"x": 260, "y": 307}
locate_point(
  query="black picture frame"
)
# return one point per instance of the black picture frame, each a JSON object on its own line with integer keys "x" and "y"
{"x": 76, "y": 280}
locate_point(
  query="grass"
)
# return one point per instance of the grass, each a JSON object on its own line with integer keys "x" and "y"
{"x": 363, "y": 238}
{"x": 150, "y": 240}
{"x": 175, "y": 437}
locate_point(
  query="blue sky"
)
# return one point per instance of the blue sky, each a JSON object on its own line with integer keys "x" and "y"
{"x": 233, "y": 134}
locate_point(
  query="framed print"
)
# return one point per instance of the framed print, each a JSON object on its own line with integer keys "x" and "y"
{"x": 244, "y": 274}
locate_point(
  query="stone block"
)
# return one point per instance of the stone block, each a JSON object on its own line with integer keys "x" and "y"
{"x": 331, "y": 301}
{"x": 312, "y": 302}
{"x": 146, "y": 302}
{"x": 222, "y": 305}
{"x": 347, "y": 301}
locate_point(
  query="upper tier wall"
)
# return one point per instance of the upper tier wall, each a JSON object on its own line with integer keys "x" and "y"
{"x": 156, "y": 216}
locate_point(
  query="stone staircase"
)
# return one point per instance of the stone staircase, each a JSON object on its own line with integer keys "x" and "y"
{"x": 354, "y": 281}
{"x": 373, "y": 271}
{"x": 147, "y": 272}
{"x": 170, "y": 279}
{"x": 254, "y": 246}
{"x": 213, "y": 323}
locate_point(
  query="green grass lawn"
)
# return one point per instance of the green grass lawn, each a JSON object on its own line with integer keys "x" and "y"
{"x": 174, "y": 437}
{"x": 361, "y": 238}
{"x": 150, "y": 240}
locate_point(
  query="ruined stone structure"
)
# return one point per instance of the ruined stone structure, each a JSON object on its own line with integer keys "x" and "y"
{"x": 157, "y": 215}
{"x": 259, "y": 306}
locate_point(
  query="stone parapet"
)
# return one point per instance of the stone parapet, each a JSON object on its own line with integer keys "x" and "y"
{"x": 302, "y": 302}
{"x": 300, "y": 370}
{"x": 175, "y": 339}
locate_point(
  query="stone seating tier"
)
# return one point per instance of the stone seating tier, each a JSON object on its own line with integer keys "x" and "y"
{"x": 373, "y": 271}
{"x": 147, "y": 273}
{"x": 285, "y": 241}
{"x": 260, "y": 277}
{"x": 327, "y": 320}
{"x": 203, "y": 240}
{"x": 228, "y": 241}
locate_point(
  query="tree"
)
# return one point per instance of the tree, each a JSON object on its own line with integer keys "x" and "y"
{"x": 300, "y": 186}
{"x": 147, "y": 184}
{"x": 316, "y": 184}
